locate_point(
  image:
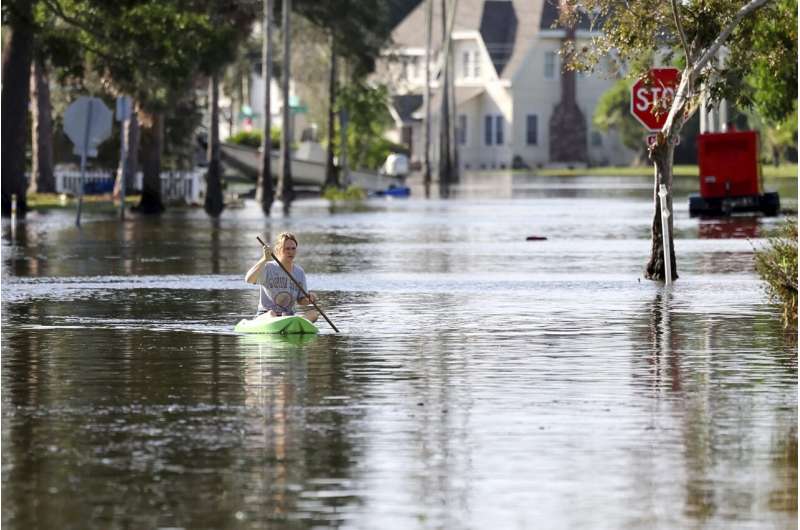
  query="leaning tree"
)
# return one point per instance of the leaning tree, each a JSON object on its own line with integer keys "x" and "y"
{"x": 758, "y": 39}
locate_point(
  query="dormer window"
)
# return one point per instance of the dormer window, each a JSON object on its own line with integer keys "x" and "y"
{"x": 470, "y": 64}
{"x": 550, "y": 61}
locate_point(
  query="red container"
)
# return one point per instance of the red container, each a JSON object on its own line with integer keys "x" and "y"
{"x": 729, "y": 164}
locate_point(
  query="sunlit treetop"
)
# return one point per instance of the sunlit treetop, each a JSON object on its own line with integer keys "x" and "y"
{"x": 759, "y": 57}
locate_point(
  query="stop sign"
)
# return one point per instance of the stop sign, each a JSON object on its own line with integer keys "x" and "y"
{"x": 652, "y": 96}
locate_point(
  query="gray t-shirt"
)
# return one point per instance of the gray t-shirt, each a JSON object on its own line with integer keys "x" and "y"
{"x": 279, "y": 293}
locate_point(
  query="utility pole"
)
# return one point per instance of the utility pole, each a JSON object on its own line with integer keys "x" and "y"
{"x": 286, "y": 187}
{"x": 426, "y": 177}
{"x": 265, "y": 193}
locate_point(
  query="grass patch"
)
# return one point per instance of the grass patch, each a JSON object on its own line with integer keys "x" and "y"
{"x": 777, "y": 265}
{"x": 681, "y": 170}
{"x": 781, "y": 171}
{"x": 55, "y": 201}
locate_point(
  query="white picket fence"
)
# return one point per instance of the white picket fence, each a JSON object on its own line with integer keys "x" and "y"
{"x": 176, "y": 186}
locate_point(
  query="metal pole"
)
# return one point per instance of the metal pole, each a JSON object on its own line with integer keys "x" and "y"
{"x": 343, "y": 118}
{"x": 723, "y": 104}
{"x": 703, "y": 112}
{"x": 84, "y": 150}
{"x": 123, "y": 156}
{"x": 662, "y": 193}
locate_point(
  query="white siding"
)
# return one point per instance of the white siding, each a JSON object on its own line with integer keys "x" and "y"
{"x": 534, "y": 94}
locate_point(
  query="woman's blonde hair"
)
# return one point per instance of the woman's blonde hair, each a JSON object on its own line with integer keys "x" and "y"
{"x": 281, "y": 239}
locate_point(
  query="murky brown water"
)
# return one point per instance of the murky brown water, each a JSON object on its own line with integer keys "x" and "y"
{"x": 480, "y": 380}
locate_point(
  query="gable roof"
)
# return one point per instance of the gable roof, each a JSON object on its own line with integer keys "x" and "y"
{"x": 405, "y": 105}
{"x": 506, "y": 26}
{"x": 499, "y": 29}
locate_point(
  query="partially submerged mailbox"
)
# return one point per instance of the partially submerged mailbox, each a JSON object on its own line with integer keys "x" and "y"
{"x": 730, "y": 176}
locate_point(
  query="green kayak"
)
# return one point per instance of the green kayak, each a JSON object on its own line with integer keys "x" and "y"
{"x": 285, "y": 325}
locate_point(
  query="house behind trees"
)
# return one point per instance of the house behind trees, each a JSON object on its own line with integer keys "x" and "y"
{"x": 509, "y": 86}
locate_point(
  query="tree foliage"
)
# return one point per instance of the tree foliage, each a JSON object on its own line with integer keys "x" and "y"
{"x": 613, "y": 112}
{"x": 763, "y": 66}
{"x": 152, "y": 49}
{"x": 759, "y": 68}
{"x": 368, "y": 118}
{"x": 360, "y": 28}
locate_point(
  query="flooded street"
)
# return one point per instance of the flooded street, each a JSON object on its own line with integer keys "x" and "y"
{"x": 479, "y": 380}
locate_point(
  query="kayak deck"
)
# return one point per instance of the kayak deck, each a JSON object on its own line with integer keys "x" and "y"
{"x": 285, "y": 325}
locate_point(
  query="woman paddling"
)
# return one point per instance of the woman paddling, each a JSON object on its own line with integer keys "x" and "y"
{"x": 278, "y": 293}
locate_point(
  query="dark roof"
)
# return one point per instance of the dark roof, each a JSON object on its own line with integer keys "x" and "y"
{"x": 406, "y": 105}
{"x": 549, "y": 20}
{"x": 499, "y": 30}
{"x": 511, "y": 31}
{"x": 399, "y": 9}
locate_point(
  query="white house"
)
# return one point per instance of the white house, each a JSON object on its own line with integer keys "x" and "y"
{"x": 514, "y": 105}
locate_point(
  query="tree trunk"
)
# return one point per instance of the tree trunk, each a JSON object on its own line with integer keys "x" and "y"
{"x": 17, "y": 54}
{"x": 152, "y": 144}
{"x": 214, "y": 203}
{"x": 331, "y": 178}
{"x": 285, "y": 184}
{"x": 453, "y": 140}
{"x": 265, "y": 193}
{"x": 662, "y": 158}
{"x": 426, "y": 176}
{"x": 445, "y": 157}
{"x": 42, "y": 178}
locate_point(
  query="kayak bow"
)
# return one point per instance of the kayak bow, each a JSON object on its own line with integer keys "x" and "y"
{"x": 285, "y": 325}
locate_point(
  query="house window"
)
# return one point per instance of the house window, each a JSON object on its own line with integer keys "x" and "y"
{"x": 498, "y": 125}
{"x": 488, "y": 130}
{"x": 476, "y": 64}
{"x": 532, "y": 129}
{"x": 550, "y": 65}
{"x": 412, "y": 68}
{"x": 465, "y": 64}
{"x": 597, "y": 139}
{"x": 461, "y": 130}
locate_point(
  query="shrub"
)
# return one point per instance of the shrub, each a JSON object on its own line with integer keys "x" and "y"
{"x": 253, "y": 138}
{"x": 777, "y": 265}
{"x": 352, "y": 193}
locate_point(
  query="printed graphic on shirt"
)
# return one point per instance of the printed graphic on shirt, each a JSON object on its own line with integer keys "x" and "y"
{"x": 278, "y": 292}
{"x": 283, "y": 299}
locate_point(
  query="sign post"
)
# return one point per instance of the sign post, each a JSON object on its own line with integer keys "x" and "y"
{"x": 665, "y": 213}
{"x": 87, "y": 122}
{"x": 124, "y": 105}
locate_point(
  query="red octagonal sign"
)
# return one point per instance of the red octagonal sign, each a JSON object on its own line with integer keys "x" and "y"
{"x": 652, "y": 96}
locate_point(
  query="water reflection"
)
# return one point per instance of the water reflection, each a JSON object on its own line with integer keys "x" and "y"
{"x": 479, "y": 380}
{"x": 701, "y": 378}
{"x": 742, "y": 227}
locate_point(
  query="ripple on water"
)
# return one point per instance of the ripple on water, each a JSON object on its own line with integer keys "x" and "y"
{"x": 476, "y": 374}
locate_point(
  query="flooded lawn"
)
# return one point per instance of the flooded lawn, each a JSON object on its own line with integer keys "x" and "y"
{"x": 480, "y": 380}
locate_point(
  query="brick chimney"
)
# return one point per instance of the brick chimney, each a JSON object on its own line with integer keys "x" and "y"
{"x": 567, "y": 123}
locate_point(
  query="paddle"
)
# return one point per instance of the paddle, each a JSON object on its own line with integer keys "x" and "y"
{"x": 321, "y": 312}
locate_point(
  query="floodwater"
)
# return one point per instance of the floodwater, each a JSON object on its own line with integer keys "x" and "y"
{"x": 479, "y": 380}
